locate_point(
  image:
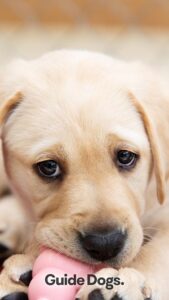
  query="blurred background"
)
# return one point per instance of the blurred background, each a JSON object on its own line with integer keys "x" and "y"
{"x": 128, "y": 29}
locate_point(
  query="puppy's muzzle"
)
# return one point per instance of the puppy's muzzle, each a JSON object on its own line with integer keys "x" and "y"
{"x": 103, "y": 245}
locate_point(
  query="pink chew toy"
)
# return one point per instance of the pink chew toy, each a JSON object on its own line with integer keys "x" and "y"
{"x": 52, "y": 268}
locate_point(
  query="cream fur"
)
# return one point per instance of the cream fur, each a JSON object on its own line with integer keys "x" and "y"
{"x": 79, "y": 107}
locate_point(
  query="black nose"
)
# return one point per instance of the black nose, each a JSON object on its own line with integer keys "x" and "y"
{"x": 103, "y": 245}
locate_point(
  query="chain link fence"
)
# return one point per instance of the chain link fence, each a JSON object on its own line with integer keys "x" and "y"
{"x": 127, "y": 29}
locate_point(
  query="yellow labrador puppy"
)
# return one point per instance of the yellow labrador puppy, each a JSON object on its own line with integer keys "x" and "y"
{"x": 85, "y": 143}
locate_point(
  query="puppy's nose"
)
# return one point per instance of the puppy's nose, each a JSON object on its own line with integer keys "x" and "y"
{"x": 103, "y": 245}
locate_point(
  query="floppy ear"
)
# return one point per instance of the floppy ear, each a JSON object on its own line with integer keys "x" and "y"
{"x": 154, "y": 146}
{"x": 8, "y": 106}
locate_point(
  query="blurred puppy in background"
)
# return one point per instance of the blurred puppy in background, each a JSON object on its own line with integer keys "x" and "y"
{"x": 13, "y": 219}
{"x": 85, "y": 145}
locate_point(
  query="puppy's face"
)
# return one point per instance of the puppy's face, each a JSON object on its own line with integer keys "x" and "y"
{"x": 76, "y": 150}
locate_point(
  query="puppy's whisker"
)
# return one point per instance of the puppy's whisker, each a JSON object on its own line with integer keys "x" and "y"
{"x": 150, "y": 227}
{"x": 147, "y": 238}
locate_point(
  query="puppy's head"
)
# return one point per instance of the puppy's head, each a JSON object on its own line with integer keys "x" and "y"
{"x": 80, "y": 149}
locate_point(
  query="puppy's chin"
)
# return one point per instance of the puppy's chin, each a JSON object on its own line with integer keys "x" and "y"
{"x": 67, "y": 242}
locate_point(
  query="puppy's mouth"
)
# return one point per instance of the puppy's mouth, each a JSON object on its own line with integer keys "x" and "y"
{"x": 99, "y": 248}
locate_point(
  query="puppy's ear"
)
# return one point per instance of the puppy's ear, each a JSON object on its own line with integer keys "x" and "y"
{"x": 9, "y": 106}
{"x": 154, "y": 146}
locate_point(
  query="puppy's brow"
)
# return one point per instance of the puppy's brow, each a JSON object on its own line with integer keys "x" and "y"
{"x": 44, "y": 151}
{"x": 131, "y": 137}
{"x": 53, "y": 152}
{"x": 47, "y": 145}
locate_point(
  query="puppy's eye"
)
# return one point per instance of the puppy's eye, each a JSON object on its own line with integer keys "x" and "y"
{"x": 49, "y": 169}
{"x": 126, "y": 159}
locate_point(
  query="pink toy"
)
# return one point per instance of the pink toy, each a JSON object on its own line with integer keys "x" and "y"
{"x": 55, "y": 265}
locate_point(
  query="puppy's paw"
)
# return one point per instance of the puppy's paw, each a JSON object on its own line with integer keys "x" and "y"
{"x": 133, "y": 286}
{"x": 15, "y": 277}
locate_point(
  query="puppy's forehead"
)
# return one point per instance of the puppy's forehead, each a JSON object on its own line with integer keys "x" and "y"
{"x": 71, "y": 103}
{"x": 73, "y": 118}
